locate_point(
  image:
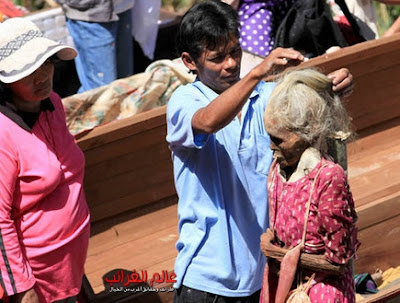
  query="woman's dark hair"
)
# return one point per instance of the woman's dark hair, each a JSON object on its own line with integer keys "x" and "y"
{"x": 207, "y": 24}
{"x": 54, "y": 59}
{"x": 5, "y": 93}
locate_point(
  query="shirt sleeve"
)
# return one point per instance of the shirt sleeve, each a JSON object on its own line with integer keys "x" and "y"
{"x": 16, "y": 274}
{"x": 337, "y": 216}
{"x": 181, "y": 108}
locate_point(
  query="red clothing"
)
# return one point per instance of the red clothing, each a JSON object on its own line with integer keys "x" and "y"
{"x": 331, "y": 224}
{"x": 44, "y": 218}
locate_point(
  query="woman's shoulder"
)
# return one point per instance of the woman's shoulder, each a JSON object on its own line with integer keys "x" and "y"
{"x": 330, "y": 165}
{"x": 331, "y": 170}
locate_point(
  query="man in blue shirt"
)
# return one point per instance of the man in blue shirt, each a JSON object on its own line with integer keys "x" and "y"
{"x": 221, "y": 158}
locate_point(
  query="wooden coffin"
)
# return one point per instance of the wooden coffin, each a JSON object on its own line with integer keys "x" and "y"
{"x": 130, "y": 189}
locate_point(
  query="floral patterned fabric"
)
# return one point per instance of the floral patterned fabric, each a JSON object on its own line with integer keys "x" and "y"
{"x": 331, "y": 224}
{"x": 125, "y": 97}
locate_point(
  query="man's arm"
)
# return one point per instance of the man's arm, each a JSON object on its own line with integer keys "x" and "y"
{"x": 222, "y": 110}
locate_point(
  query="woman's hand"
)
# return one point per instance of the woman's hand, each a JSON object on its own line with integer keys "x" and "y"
{"x": 342, "y": 82}
{"x": 28, "y": 296}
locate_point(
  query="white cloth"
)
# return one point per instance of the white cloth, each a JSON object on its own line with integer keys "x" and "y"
{"x": 364, "y": 10}
{"x": 145, "y": 15}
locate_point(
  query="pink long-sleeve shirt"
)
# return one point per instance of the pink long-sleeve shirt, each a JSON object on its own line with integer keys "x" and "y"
{"x": 331, "y": 229}
{"x": 44, "y": 218}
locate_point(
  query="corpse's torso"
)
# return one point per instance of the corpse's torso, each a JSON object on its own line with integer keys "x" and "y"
{"x": 330, "y": 227}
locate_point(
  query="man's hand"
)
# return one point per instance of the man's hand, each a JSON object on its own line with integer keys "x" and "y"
{"x": 342, "y": 82}
{"x": 277, "y": 61}
{"x": 28, "y": 296}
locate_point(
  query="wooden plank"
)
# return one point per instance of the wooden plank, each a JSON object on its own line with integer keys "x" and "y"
{"x": 379, "y": 246}
{"x": 375, "y": 176}
{"x": 154, "y": 253}
{"x": 143, "y": 240}
{"x": 378, "y": 211}
{"x": 382, "y": 102}
{"x": 389, "y": 294}
{"x": 121, "y": 157}
{"x": 373, "y": 164}
{"x": 124, "y": 145}
{"x": 126, "y": 228}
{"x": 373, "y": 140}
{"x": 123, "y": 204}
{"x": 116, "y": 130}
{"x": 128, "y": 173}
{"x": 110, "y": 189}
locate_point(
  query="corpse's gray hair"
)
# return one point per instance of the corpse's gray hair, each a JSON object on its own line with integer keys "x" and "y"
{"x": 303, "y": 102}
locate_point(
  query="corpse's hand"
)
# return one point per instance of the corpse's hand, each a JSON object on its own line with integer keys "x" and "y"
{"x": 342, "y": 82}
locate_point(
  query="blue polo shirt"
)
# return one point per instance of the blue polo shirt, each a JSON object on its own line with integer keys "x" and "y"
{"x": 221, "y": 184}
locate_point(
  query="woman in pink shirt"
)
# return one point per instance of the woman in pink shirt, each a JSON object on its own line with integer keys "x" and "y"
{"x": 308, "y": 193}
{"x": 44, "y": 218}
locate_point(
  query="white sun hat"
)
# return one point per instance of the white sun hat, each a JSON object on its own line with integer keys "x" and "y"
{"x": 23, "y": 49}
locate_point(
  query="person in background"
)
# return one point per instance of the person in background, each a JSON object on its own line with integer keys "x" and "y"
{"x": 102, "y": 34}
{"x": 308, "y": 193}
{"x": 221, "y": 157}
{"x": 44, "y": 217}
{"x": 259, "y": 21}
{"x": 365, "y": 14}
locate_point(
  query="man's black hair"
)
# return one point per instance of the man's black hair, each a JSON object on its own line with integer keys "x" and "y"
{"x": 208, "y": 24}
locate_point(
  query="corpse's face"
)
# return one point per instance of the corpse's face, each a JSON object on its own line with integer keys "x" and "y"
{"x": 35, "y": 87}
{"x": 286, "y": 145}
{"x": 219, "y": 69}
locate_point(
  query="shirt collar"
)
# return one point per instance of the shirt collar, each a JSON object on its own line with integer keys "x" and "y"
{"x": 308, "y": 161}
{"x": 9, "y": 110}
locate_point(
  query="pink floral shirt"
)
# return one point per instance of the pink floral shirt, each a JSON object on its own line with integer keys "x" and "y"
{"x": 331, "y": 223}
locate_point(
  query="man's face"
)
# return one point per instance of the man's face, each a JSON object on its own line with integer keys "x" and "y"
{"x": 219, "y": 69}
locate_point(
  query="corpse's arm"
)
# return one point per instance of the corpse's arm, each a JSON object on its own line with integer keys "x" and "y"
{"x": 312, "y": 262}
